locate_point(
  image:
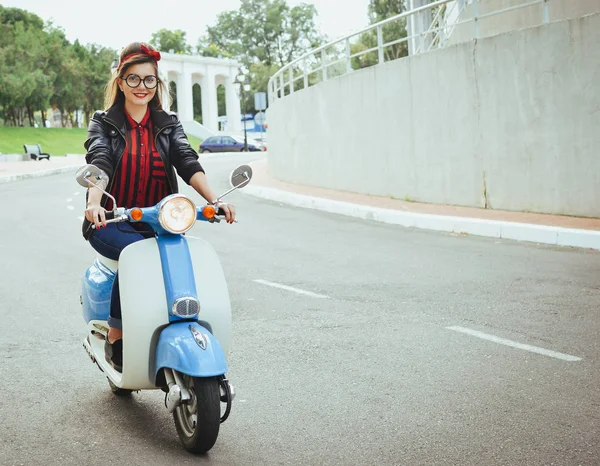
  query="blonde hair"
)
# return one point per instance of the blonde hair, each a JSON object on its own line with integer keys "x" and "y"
{"x": 113, "y": 94}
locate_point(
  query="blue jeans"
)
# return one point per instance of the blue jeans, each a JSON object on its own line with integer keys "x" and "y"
{"x": 109, "y": 242}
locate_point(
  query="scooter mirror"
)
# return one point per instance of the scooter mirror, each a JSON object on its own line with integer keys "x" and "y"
{"x": 89, "y": 174}
{"x": 241, "y": 176}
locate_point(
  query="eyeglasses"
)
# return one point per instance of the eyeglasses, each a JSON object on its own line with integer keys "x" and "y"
{"x": 133, "y": 80}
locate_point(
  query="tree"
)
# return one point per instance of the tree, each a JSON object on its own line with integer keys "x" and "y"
{"x": 39, "y": 68}
{"x": 380, "y": 10}
{"x": 95, "y": 64}
{"x": 266, "y": 31}
{"x": 209, "y": 49}
{"x": 25, "y": 82}
{"x": 384, "y": 9}
{"x": 167, "y": 41}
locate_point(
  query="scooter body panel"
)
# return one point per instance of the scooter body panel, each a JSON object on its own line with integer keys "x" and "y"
{"x": 191, "y": 349}
{"x": 96, "y": 291}
{"x": 145, "y": 308}
{"x": 211, "y": 286}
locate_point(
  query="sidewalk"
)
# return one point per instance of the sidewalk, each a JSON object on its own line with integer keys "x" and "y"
{"x": 14, "y": 171}
{"x": 539, "y": 228}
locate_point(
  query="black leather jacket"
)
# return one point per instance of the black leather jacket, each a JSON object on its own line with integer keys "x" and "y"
{"x": 106, "y": 144}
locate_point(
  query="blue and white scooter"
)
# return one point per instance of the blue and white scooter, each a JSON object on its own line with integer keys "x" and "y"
{"x": 176, "y": 313}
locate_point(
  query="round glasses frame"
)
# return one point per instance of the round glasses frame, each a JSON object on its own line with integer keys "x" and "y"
{"x": 133, "y": 81}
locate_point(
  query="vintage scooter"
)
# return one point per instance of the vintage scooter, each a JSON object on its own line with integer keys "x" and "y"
{"x": 176, "y": 313}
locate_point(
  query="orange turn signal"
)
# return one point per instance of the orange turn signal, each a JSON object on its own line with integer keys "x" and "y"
{"x": 209, "y": 211}
{"x": 137, "y": 214}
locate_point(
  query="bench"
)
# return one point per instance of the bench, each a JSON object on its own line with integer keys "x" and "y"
{"x": 35, "y": 152}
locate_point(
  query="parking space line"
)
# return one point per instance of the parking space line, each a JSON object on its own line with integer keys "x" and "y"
{"x": 290, "y": 288}
{"x": 514, "y": 344}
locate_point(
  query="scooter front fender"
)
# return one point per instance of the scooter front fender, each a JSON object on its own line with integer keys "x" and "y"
{"x": 191, "y": 349}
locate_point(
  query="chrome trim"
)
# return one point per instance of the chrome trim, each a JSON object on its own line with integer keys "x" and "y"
{"x": 164, "y": 202}
{"x": 173, "y": 398}
{"x": 187, "y": 301}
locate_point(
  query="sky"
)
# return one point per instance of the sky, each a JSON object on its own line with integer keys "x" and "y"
{"x": 115, "y": 23}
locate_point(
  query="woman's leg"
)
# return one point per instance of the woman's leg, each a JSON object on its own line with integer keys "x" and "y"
{"x": 109, "y": 242}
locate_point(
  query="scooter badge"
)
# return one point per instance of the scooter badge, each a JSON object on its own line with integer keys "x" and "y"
{"x": 200, "y": 338}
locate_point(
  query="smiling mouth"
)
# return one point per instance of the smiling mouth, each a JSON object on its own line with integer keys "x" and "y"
{"x": 140, "y": 96}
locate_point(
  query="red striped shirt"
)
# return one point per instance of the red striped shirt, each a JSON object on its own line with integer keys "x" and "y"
{"x": 140, "y": 178}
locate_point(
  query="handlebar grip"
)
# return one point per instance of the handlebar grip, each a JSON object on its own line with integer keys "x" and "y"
{"x": 110, "y": 215}
{"x": 220, "y": 211}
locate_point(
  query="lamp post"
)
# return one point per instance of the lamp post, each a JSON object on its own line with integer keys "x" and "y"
{"x": 242, "y": 85}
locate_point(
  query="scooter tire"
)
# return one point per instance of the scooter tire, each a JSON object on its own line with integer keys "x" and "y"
{"x": 119, "y": 391}
{"x": 199, "y": 435}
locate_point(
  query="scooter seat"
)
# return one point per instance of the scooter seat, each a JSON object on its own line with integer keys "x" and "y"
{"x": 108, "y": 263}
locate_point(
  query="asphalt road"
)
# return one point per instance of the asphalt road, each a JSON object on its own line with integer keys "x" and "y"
{"x": 370, "y": 358}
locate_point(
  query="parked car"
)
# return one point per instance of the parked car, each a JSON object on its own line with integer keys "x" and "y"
{"x": 229, "y": 144}
{"x": 262, "y": 140}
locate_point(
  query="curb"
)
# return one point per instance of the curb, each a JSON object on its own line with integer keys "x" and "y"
{"x": 38, "y": 174}
{"x": 556, "y": 236}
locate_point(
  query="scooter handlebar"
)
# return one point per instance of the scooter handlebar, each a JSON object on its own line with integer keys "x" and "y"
{"x": 111, "y": 217}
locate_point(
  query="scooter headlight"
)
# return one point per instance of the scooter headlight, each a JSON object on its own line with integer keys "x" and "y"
{"x": 177, "y": 214}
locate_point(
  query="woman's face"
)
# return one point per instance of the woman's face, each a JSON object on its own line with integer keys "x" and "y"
{"x": 142, "y": 74}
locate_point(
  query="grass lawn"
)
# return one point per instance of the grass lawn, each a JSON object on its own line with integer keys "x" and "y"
{"x": 54, "y": 141}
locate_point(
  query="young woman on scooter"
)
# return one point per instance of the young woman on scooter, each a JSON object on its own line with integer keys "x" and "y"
{"x": 138, "y": 146}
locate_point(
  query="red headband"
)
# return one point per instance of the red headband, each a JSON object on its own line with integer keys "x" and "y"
{"x": 154, "y": 54}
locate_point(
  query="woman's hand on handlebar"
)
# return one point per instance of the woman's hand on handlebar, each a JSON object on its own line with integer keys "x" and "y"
{"x": 96, "y": 214}
{"x": 228, "y": 210}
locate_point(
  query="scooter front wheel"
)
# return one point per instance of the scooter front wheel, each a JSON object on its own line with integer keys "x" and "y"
{"x": 198, "y": 420}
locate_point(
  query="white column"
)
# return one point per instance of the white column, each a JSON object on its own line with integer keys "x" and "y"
{"x": 166, "y": 105}
{"x": 185, "y": 103}
{"x": 210, "y": 108}
{"x": 418, "y": 24}
{"x": 234, "y": 113}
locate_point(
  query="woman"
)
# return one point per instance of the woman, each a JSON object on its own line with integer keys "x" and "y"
{"x": 139, "y": 146}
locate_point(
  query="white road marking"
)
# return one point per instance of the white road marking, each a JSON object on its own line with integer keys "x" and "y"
{"x": 80, "y": 218}
{"x": 290, "y": 288}
{"x": 69, "y": 199}
{"x": 70, "y": 207}
{"x": 514, "y": 344}
{"x": 77, "y": 193}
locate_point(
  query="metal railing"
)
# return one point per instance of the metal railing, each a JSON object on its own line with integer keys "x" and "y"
{"x": 393, "y": 38}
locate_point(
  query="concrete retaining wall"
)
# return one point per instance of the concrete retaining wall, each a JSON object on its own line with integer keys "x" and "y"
{"x": 508, "y": 122}
{"x": 526, "y": 17}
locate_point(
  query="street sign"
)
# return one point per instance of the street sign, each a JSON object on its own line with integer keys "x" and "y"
{"x": 260, "y": 101}
{"x": 260, "y": 118}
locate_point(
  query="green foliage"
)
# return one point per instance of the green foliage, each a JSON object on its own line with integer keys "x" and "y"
{"x": 380, "y": 10}
{"x": 260, "y": 74}
{"x": 197, "y": 100}
{"x": 55, "y": 141}
{"x": 209, "y": 49}
{"x": 173, "y": 94}
{"x": 367, "y": 59}
{"x": 221, "y": 100}
{"x": 167, "y": 41}
{"x": 384, "y": 9}
{"x": 264, "y": 35}
{"x": 40, "y": 68}
{"x": 265, "y": 31}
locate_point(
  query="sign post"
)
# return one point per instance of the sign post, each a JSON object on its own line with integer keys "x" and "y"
{"x": 260, "y": 104}
{"x": 260, "y": 101}
{"x": 259, "y": 119}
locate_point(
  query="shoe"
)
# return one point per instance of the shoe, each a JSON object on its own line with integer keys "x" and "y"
{"x": 113, "y": 352}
